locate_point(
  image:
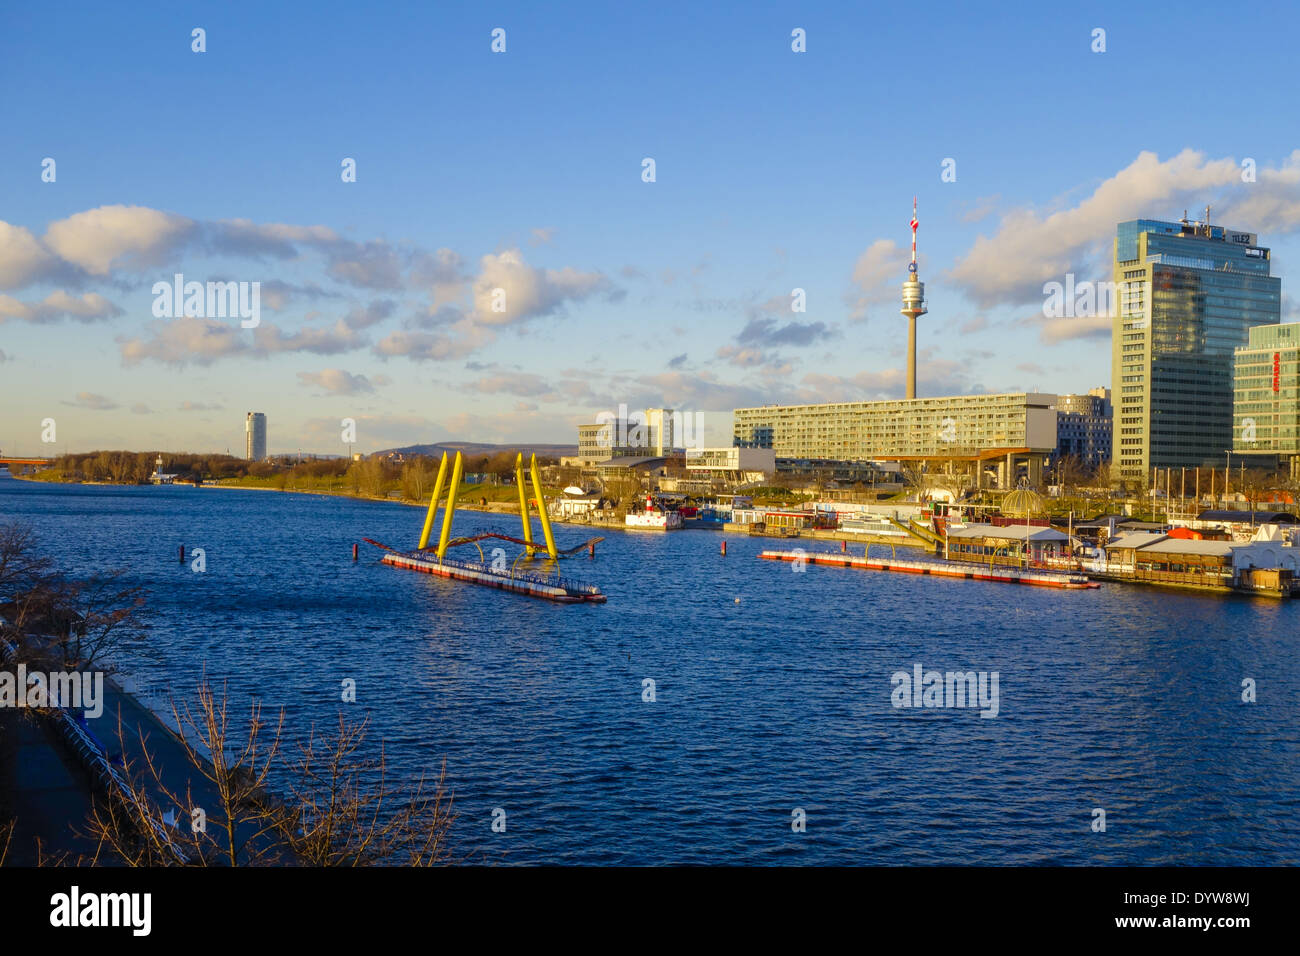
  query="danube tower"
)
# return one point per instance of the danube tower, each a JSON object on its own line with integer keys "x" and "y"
{"x": 913, "y": 305}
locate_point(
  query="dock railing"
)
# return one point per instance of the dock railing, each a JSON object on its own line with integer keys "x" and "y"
{"x": 530, "y": 577}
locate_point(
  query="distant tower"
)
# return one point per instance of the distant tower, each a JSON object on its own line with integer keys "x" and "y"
{"x": 254, "y": 436}
{"x": 913, "y": 305}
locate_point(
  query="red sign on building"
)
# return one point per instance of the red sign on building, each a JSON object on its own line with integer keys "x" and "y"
{"x": 1277, "y": 371}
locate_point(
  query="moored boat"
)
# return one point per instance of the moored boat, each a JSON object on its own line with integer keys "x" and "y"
{"x": 654, "y": 520}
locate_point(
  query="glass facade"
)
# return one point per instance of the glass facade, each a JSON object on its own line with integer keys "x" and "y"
{"x": 1083, "y": 427}
{"x": 1266, "y": 394}
{"x": 1193, "y": 292}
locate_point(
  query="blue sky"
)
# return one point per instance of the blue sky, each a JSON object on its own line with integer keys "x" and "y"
{"x": 522, "y": 171}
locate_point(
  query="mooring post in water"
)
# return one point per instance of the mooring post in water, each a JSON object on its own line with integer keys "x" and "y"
{"x": 591, "y": 550}
{"x": 724, "y": 549}
{"x": 182, "y": 554}
{"x": 844, "y": 547}
{"x": 354, "y": 551}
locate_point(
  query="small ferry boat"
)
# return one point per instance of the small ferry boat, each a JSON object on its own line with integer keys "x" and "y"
{"x": 654, "y": 520}
{"x": 652, "y": 515}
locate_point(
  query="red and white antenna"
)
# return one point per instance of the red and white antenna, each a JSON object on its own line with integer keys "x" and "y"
{"x": 915, "y": 223}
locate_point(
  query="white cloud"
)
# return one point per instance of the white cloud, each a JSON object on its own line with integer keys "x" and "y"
{"x": 365, "y": 316}
{"x": 529, "y": 292}
{"x": 179, "y": 341}
{"x": 878, "y": 275}
{"x": 1272, "y": 203}
{"x": 741, "y": 356}
{"x": 369, "y": 265}
{"x": 90, "y": 307}
{"x": 1055, "y": 331}
{"x": 23, "y": 259}
{"x": 442, "y": 272}
{"x": 100, "y": 239}
{"x": 1029, "y": 248}
{"x": 279, "y": 240}
{"x": 203, "y": 341}
{"x": 340, "y": 338}
{"x": 337, "y": 381}
{"x": 457, "y": 341}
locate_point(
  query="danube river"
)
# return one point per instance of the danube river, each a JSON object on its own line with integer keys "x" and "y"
{"x": 772, "y": 690}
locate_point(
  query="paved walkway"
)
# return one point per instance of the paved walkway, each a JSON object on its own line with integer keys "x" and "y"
{"x": 40, "y": 787}
{"x": 45, "y": 787}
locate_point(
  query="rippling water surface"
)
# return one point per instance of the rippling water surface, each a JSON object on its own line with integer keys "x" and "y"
{"x": 773, "y": 690}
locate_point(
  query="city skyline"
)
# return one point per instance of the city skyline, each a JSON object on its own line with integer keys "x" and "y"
{"x": 377, "y": 296}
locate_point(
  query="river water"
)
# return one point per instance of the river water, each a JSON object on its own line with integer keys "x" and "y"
{"x": 772, "y": 689}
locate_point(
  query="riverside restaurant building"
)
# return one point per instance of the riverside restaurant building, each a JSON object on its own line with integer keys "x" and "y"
{"x": 1267, "y": 564}
{"x": 1010, "y": 544}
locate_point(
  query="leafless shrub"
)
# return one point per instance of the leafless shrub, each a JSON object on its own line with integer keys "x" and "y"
{"x": 337, "y": 807}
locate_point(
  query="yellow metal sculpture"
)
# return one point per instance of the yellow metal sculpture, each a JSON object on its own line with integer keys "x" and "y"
{"x": 449, "y": 510}
{"x": 523, "y": 500}
{"x": 433, "y": 503}
{"x": 541, "y": 511}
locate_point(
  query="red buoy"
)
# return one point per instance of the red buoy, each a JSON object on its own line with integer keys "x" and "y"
{"x": 724, "y": 549}
{"x": 354, "y": 552}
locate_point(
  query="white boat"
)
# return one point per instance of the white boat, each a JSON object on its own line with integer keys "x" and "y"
{"x": 654, "y": 520}
{"x": 871, "y": 524}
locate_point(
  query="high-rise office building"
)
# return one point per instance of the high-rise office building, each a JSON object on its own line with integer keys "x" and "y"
{"x": 254, "y": 436}
{"x": 1188, "y": 294}
{"x": 659, "y": 423}
{"x": 1266, "y": 407}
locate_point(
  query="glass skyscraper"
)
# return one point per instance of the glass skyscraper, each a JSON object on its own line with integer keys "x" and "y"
{"x": 1266, "y": 413}
{"x": 1189, "y": 292}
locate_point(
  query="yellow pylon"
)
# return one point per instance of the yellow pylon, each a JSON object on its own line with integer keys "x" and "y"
{"x": 433, "y": 503}
{"x": 450, "y": 510}
{"x": 541, "y": 512}
{"x": 523, "y": 501}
